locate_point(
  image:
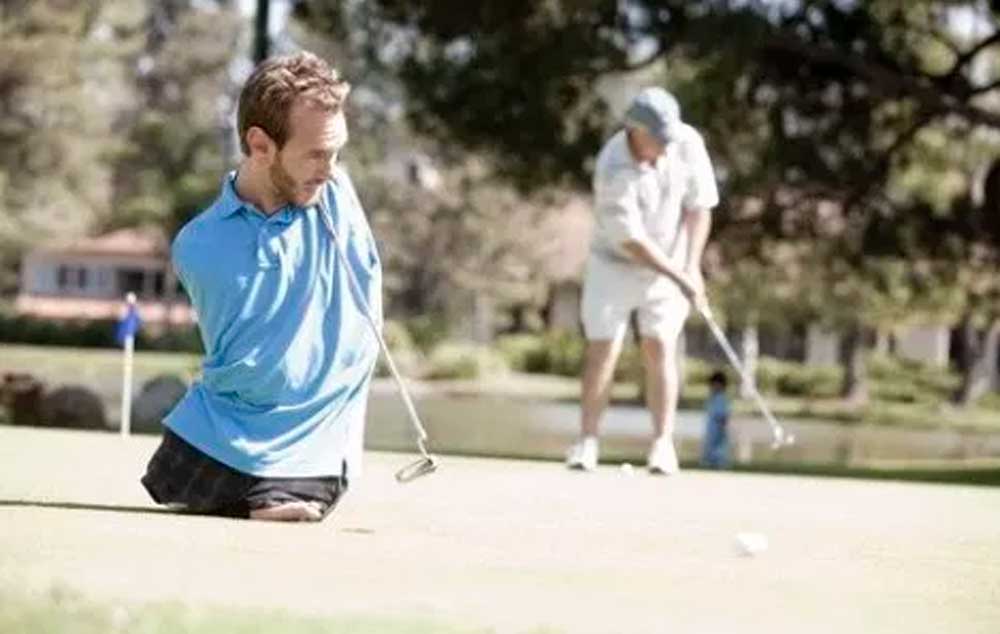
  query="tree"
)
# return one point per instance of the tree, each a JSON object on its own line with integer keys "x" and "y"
{"x": 176, "y": 129}
{"x": 807, "y": 102}
{"x": 53, "y": 125}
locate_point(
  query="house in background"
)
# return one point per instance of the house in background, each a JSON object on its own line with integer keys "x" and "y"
{"x": 88, "y": 279}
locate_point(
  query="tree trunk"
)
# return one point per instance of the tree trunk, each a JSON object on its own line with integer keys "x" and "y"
{"x": 262, "y": 38}
{"x": 882, "y": 342}
{"x": 974, "y": 361}
{"x": 751, "y": 354}
{"x": 852, "y": 357}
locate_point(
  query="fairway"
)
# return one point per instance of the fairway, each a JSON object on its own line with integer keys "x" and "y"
{"x": 515, "y": 546}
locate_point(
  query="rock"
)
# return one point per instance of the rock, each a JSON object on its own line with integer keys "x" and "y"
{"x": 73, "y": 406}
{"x": 21, "y": 394}
{"x": 156, "y": 398}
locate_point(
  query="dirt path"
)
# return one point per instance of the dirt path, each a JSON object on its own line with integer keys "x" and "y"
{"x": 519, "y": 546}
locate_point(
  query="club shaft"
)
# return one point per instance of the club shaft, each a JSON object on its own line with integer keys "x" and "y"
{"x": 734, "y": 360}
{"x": 377, "y": 331}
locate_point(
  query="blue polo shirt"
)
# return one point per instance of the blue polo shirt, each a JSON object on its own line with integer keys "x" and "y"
{"x": 288, "y": 353}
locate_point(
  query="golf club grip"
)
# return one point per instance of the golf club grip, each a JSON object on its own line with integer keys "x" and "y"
{"x": 723, "y": 342}
{"x": 366, "y": 309}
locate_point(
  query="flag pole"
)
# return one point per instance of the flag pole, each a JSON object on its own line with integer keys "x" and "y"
{"x": 127, "y": 355}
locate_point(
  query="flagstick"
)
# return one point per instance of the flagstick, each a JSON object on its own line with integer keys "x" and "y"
{"x": 127, "y": 372}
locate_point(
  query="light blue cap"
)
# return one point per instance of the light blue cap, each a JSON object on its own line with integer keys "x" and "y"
{"x": 656, "y": 111}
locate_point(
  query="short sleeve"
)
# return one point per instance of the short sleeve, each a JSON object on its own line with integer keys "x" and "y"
{"x": 701, "y": 191}
{"x": 363, "y": 249}
{"x": 181, "y": 257}
{"x": 616, "y": 202}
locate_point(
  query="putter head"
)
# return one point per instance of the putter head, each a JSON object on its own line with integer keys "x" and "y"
{"x": 421, "y": 467}
{"x": 783, "y": 439}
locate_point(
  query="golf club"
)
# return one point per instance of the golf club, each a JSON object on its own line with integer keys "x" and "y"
{"x": 427, "y": 463}
{"x": 781, "y": 438}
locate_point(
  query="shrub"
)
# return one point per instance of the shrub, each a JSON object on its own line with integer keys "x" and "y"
{"x": 73, "y": 406}
{"x": 404, "y": 352}
{"x": 769, "y": 373}
{"x": 990, "y": 400}
{"x": 696, "y": 372}
{"x": 558, "y": 352}
{"x": 427, "y": 331}
{"x": 97, "y": 333}
{"x": 523, "y": 352}
{"x": 809, "y": 381}
{"x": 454, "y": 360}
{"x": 909, "y": 381}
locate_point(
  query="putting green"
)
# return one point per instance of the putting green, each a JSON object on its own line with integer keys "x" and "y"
{"x": 516, "y": 546}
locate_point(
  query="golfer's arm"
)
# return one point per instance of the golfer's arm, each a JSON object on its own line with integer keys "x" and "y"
{"x": 698, "y": 224}
{"x": 643, "y": 251}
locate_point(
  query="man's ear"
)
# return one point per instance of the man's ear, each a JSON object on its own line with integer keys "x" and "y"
{"x": 261, "y": 145}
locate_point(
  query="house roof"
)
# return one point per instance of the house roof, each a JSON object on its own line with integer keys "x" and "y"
{"x": 140, "y": 241}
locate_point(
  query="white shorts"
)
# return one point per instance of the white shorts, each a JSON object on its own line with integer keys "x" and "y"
{"x": 612, "y": 289}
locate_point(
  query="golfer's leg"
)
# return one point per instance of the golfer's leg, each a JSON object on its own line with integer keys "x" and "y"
{"x": 294, "y": 499}
{"x": 662, "y": 383}
{"x": 608, "y": 301}
{"x": 660, "y": 324}
{"x": 598, "y": 373}
{"x": 289, "y": 512}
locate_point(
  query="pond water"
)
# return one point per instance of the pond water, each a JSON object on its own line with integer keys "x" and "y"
{"x": 526, "y": 428}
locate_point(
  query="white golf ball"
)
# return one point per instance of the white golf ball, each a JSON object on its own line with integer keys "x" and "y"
{"x": 627, "y": 469}
{"x": 750, "y": 544}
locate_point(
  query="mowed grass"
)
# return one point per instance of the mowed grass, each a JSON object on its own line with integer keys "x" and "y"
{"x": 96, "y": 369}
{"x": 67, "y": 612}
{"x": 101, "y": 371}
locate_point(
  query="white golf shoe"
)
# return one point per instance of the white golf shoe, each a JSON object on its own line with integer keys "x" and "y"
{"x": 583, "y": 454}
{"x": 663, "y": 457}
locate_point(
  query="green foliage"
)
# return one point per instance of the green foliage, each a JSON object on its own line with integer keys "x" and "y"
{"x": 396, "y": 336}
{"x": 903, "y": 381}
{"x": 524, "y": 352}
{"x": 62, "y": 609}
{"x": 456, "y": 360}
{"x": 697, "y": 371}
{"x": 91, "y": 334}
{"x": 404, "y": 352}
{"x": 427, "y": 331}
{"x": 554, "y": 352}
{"x": 796, "y": 379}
{"x": 56, "y": 117}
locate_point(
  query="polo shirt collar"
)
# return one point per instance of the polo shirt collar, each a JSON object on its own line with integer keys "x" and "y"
{"x": 230, "y": 202}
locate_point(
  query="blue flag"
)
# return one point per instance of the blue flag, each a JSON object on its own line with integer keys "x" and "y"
{"x": 128, "y": 325}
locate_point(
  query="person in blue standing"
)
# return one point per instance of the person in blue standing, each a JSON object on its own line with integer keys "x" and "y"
{"x": 715, "y": 446}
{"x": 273, "y": 429}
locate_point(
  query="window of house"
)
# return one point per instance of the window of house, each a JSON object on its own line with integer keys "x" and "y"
{"x": 131, "y": 281}
{"x": 72, "y": 278}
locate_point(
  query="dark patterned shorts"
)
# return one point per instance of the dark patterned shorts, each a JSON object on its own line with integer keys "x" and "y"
{"x": 182, "y": 476}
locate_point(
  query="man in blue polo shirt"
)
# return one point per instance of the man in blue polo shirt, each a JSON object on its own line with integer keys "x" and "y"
{"x": 274, "y": 428}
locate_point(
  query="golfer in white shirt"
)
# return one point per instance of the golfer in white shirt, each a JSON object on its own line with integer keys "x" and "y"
{"x": 654, "y": 189}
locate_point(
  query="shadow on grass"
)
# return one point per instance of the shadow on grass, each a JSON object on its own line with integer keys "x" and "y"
{"x": 82, "y": 506}
{"x": 979, "y": 476}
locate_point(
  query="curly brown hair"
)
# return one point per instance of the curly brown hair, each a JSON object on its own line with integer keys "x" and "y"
{"x": 271, "y": 90}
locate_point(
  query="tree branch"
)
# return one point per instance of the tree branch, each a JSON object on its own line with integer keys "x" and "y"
{"x": 885, "y": 81}
{"x": 978, "y": 90}
{"x": 967, "y": 56}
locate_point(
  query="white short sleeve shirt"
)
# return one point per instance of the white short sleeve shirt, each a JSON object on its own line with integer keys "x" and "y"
{"x": 633, "y": 200}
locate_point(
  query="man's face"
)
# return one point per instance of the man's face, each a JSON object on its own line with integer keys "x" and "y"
{"x": 645, "y": 147}
{"x": 305, "y": 163}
